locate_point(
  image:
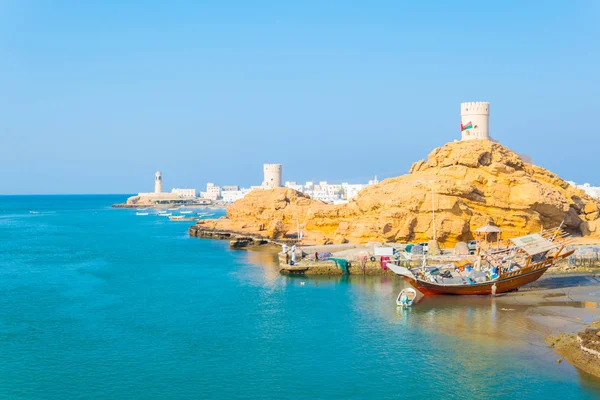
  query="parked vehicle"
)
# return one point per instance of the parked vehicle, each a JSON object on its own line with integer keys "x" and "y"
{"x": 472, "y": 246}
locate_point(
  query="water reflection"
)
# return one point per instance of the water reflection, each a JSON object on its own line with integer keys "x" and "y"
{"x": 484, "y": 319}
{"x": 480, "y": 318}
{"x": 267, "y": 260}
{"x": 471, "y": 332}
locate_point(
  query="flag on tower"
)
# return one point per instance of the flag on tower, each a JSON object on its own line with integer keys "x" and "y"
{"x": 468, "y": 125}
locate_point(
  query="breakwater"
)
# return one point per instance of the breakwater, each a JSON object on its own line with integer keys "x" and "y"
{"x": 204, "y": 229}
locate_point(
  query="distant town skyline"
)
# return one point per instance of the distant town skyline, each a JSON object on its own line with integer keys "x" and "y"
{"x": 98, "y": 96}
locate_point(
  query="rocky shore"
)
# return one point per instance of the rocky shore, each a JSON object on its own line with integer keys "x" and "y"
{"x": 580, "y": 349}
{"x": 207, "y": 229}
{"x": 473, "y": 183}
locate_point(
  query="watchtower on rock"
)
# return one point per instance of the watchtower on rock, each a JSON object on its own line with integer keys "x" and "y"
{"x": 474, "y": 120}
{"x": 272, "y": 176}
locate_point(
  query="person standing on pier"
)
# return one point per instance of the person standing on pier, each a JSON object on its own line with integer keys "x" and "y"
{"x": 293, "y": 254}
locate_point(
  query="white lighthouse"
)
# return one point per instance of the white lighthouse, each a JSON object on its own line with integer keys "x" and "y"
{"x": 475, "y": 121}
{"x": 158, "y": 182}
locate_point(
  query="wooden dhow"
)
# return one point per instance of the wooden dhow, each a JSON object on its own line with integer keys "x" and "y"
{"x": 499, "y": 270}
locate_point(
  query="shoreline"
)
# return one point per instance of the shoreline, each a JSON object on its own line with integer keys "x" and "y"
{"x": 570, "y": 348}
{"x": 562, "y": 303}
{"x": 565, "y": 301}
{"x": 166, "y": 206}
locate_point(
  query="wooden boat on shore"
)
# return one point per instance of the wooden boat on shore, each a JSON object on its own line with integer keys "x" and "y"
{"x": 505, "y": 270}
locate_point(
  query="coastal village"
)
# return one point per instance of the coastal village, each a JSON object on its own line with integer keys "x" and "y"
{"x": 300, "y": 200}
{"x": 222, "y": 196}
{"x": 475, "y": 218}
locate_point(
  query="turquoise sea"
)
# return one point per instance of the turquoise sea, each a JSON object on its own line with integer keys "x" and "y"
{"x": 100, "y": 303}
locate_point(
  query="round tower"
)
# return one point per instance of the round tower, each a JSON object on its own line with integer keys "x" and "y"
{"x": 272, "y": 176}
{"x": 475, "y": 120}
{"x": 158, "y": 182}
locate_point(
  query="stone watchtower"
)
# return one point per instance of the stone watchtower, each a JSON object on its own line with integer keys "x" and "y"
{"x": 475, "y": 120}
{"x": 158, "y": 182}
{"x": 272, "y": 176}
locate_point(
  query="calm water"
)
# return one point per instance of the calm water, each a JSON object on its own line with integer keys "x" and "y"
{"x": 101, "y": 303}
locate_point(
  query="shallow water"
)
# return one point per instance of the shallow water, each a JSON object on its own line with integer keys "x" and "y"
{"x": 101, "y": 303}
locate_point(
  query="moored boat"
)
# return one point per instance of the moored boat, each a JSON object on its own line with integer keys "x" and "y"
{"x": 525, "y": 261}
{"x": 406, "y": 297}
{"x": 141, "y": 213}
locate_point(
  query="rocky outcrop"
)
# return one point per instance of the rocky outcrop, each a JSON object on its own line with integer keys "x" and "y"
{"x": 208, "y": 229}
{"x": 582, "y": 350}
{"x": 473, "y": 183}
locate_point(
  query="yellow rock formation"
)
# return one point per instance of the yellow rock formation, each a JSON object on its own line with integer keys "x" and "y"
{"x": 475, "y": 182}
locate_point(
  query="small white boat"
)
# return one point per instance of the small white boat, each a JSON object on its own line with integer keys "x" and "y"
{"x": 34, "y": 212}
{"x": 141, "y": 209}
{"x": 166, "y": 214}
{"x": 173, "y": 209}
{"x": 185, "y": 212}
{"x": 406, "y": 297}
{"x": 141, "y": 213}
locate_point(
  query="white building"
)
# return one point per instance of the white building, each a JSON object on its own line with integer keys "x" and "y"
{"x": 230, "y": 196}
{"x": 351, "y": 191}
{"x": 213, "y": 192}
{"x": 593, "y": 191}
{"x": 187, "y": 193}
{"x": 294, "y": 185}
{"x": 323, "y": 195}
{"x": 330, "y": 193}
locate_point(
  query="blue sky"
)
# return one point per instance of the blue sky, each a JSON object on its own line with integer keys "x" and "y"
{"x": 97, "y": 96}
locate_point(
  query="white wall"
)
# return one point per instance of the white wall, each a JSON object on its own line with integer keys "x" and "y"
{"x": 184, "y": 192}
